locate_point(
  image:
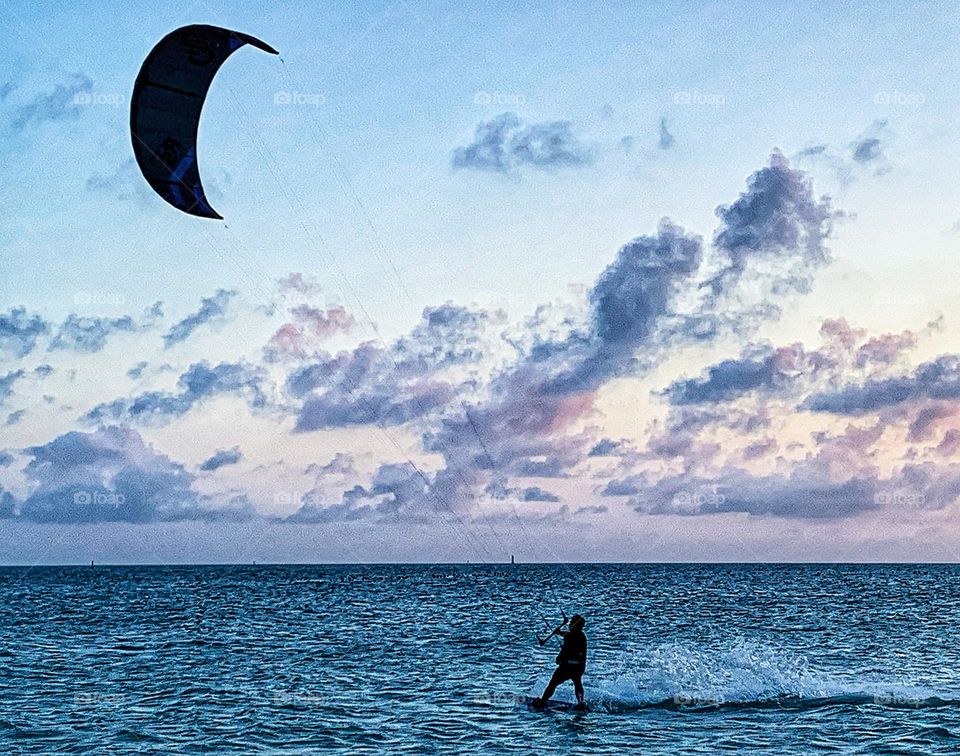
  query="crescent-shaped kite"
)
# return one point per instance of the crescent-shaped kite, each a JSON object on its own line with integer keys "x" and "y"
{"x": 165, "y": 110}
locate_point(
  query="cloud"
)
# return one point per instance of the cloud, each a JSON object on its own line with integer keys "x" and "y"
{"x": 604, "y": 448}
{"x": 938, "y": 379}
{"x": 666, "y": 139}
{"x": 776, "y": 219}
{"x": 535, "y": 493}
{"x": 950, "y": 444}
{"x": 505, "y": 143}
{"x": 6, "y": 459}
{"x": 724, "y": 382}
{"x": 299, "y": 283}
{"x": 112, "y": 475}
{"x": 19, "y": 331}
{"x": 760, "y": 449}
{"x": 885, "y": 349}
{"x": 124, "y": 184}
{"x": 393, "y": 384}
{"x": 14, "y": 418}
{"x": 211, "y": 309}
{"x": 310, "y": 325}
{"x": 222, "y": 458}
{"x": 201, "y": 381}
{"x": 395, "y": 491}
{"x": 864, "y": 153}
{"x": 58, "y": 105}
{"x": 925, "y": 421}
{"x": 137, "y": 370}
{"x": 867, "y": 147}
{"x": 647, "y": 301}
{"x": 89, "y": 334}
{"x": 7, "y": 381}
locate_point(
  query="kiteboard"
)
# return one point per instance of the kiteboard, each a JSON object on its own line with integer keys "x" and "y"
{"x": 537, "y": 705}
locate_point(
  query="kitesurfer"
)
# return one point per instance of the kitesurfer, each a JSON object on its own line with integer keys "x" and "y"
{"x": 571, "y": 661}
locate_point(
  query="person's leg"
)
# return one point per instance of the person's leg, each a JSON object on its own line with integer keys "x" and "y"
{"x": 558, "y": 677}
{"x": 578, "y": 687}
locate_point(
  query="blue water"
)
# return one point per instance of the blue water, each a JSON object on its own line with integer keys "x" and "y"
{"x": 427, "y": 659}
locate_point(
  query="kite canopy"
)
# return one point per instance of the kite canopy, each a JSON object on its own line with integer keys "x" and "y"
{"x": 165, "y": 110}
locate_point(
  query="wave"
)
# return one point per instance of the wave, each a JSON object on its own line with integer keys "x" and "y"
{"x": 746, "y": 675}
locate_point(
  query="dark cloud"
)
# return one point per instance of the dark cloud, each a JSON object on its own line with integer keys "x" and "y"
{"x": 112, "y": 475}
{"x": 778, "y": 219}
{"x": 222, "y": 458}
{"x": 925, "y": 421}
{"x": 14, "y": 418}
{"x": 211, "y": 309}
{"x": 60, "y": 104}
{"x": 7, "y": 381}
{"x": 760, "y": 449}
{"x": 623, "y": 487}
{"x": 812, "y": 151}
{"x": 199, "y": 382}
{"x": 19, "y": 331}
{"x": 605, "y": 447}
{"x": 867, "y": 148}
{"x": 666, "y": 139}
{"x": 535, "y": 493}
{"x": 728, "y": 380}
{"x": 939, "y": 379}
{"x": 950, "y": 444}
{"x": 6, "y": 459}
{"x": 89, "y": 334}
{"x": 137, "y": 370}
{"x": 504, "y": 144}
{"x": 340, "y": 409}
{"x": 42, "y": 371}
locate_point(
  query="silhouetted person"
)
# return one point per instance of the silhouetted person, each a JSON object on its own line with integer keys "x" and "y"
{"x": 571, "y": 661}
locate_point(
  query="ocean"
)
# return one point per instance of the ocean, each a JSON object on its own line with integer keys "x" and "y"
{"x": 684, "y": 659}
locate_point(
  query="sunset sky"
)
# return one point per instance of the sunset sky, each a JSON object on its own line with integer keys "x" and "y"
{"x": 578, "y": 282}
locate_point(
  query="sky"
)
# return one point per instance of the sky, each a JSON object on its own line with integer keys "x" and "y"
{"x": 567, "y": 281}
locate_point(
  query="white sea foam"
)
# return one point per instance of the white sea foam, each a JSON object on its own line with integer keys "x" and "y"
{"x": 746, "y": 673}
